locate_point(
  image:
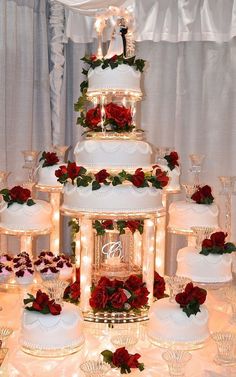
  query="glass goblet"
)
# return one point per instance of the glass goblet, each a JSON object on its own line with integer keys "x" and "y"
{"x": 176, "y": 361}
{"x": 176, "y": 285}
{"x": 226, "y": 346}
{"x": 95, "y": 368}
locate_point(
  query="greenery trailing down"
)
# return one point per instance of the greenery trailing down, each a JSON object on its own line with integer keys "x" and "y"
{"x": 74, "y": 224}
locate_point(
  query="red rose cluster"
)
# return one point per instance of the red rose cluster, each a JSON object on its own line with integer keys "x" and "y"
{"x": 159, "y": 286}
{"x": 191, "y": 299}
{"x": 216, "y": 244}
{"x": 122, "y": 359}
{"x": 158, "y": 178}
{"x": 116, "y": 295}
{"x": 41, "y": 303}
{"x": 49, "y": 159}
{"x": 115, "y": 115}
{"x": 71, "y": 171}
{"x": 203, "y": 195}
{"x": 72, "y": 292}
{"x": 172, "y": 160}
{"x": 17, "y": 194}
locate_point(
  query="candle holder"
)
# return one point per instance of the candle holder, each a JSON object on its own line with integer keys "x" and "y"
{"x": 124, "y": 340}
{"x": 176, "y": 361}
{"x": 196, "y": 168}
{"x": 56, "y": 289}
{"x": 201, "y": 233}
{"x": 176, "y": 285}
{"x": 190, "y": 189}
{"x": 230, "y": 294}
{"x": 226, "y": 343}
{"x": 30, "y": 160}
{"x": 227, "y": 191}
{"x": 60, "y": 150}
{"x": 95, "y": 368}
{"x": 5, "y": 332}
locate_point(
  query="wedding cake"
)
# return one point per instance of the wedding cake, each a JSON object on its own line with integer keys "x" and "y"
{"x": 46, "y": 326}
{"x": 199, "y": 210}
{"x": 20, "y": 212}
{"x": 211, "y": 262}
{"x": 174, "y": 323}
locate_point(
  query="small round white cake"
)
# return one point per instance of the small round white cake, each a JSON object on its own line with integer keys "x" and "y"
{"x": 52, "y": 332}
{"x": 169, "y": 324}
{"x": 183, "y": 215}
{"x": 118, "y": 154}
{"x": 121, "y": 198}
{"x": 201, "y": 268}
{"x": 46, "y": 175}
{"x": 24, "y": 217}
{"x": 122, "y": 78}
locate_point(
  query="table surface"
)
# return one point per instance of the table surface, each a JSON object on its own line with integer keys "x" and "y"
{"x": 19, "y": 364}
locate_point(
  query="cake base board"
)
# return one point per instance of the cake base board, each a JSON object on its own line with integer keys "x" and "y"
{"x": 48, "y": 353}
{"x": 188, "y": 346}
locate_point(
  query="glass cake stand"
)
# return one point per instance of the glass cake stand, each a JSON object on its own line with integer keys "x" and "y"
{"x": 51, "y": 352}
{"x": 116, "y": 317}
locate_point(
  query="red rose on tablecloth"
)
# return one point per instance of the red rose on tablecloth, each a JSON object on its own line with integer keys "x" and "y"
{"x": 133, "y": 225}
{"x": 207, "y": 243}
{"x": 140, "y": 297}
{"x": 120, "y": 114}
{"x": 162, "y": 177}
{"x": 133, "y": 360}
{"x": 73, "y": 170}
{"x": 99, "y": 298}
{"x": 101, "y": 176}
{"x": 218, "y": 238}
{"x": 61, "y": 171}
{"x": 133, "y": 282}
{"x": 138, "y": 178}
{"x": 120, "y": 357}
{"x": 118, "y": 299}
{"x": 20, "y": 193}
{"x": 159, "y": 286}
{"x": 93, "y": 117}
{"x": 55, "y": 309}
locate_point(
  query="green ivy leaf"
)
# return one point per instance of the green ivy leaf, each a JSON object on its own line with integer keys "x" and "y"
{"x": 107, "y": 356}
{"x": 30, "y": 202}
{"x": 95, "y": 185}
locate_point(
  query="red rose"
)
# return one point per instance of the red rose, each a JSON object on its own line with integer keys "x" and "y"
{"x": 140, "y": 298}
{"x": 77, "y": 274}
{"x": 73, "y": 170}
{"x": 75, "y": 290}
{"x": 162, "y": 177}
{"x": 207, "y": 243}
{"x": 133, "y": 282}
{"x": 133, "y": 360}
{"x": 118, "y": 299}
{"x": 107, "y": 224}
{"x": 117, "y": 284}
{"x": 114, "y": 58}
{"x": 133, "y": 225}
{"x": 101, "y": 176}
{"x": 197, "y": 196}
{"x": 120, "y": 357}
{"x": 159, "y": 286}
{"x": 99, "y": 298}
{"x": 174, "y": 158}
{"x": 93, "y": 57}
{"x": 206, "y": 191}
{"x": 104, "y": 282}
{"x": 61, "y": 171}
{"x": 199, "y": 294}
{"x": 20, "y": 193}
{"x": 93, "y": 117}
{"x": 120, "y": 114}
{"x": 191, "y": 293}
{"x": 50, "y": 158}
{"x": 218, "y": 238}
{"x": 41, "y": 298}
{"x": 138, "y": 178}
{"x": 55, "y": 309}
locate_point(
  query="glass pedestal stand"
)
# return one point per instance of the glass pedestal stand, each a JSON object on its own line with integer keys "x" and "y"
{"x": 55, "y": 200}
{"x": 91, "y": 263}
{"x": 164, "y": 245}
{"x": 26, "y": 237}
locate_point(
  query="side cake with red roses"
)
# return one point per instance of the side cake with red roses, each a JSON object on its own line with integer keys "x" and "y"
{"x": 49, "y": 162}
{"x": 209, "y": 263}
{"x": 170, "y": 163}
{"x": 48, "y": 326}
{"x": 19, "y": 211}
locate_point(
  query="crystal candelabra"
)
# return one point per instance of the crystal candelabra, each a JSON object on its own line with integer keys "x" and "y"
{"x": 196, "y": 168}
{"x": 227, "y": 191}
{"x": 30, "y": 160}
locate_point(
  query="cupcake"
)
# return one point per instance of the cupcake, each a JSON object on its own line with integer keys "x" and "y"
{"x": 5, "y": 258}
{"x": 41, "y": 262}
{"x": 24, "y": 275}
{"x": 5, "y": 273}
{"x": 46, "y": 254}
{"x": 49, "y": 273}
{"x": 65, "y": 268}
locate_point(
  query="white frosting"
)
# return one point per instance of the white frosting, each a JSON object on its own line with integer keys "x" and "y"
{"x": 28, "y": 278}
{"x": 113, "y": 154}
{"x": 121, "y": 198}
{"x": 122, "y": 77}
{"x": 52, "y": 331}
{"x": 46, "y": 175}
{"x": 66, "y": 272}
{"x": 173, "y": 175}
{"x": 184, "y": 215}
{"x": 168, "y": 323}
{"x": 24, "y": 217}
{"x": 204, "y": 268}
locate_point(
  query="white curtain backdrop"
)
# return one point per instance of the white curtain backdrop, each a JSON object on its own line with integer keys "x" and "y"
{"x": 25, "y": 115}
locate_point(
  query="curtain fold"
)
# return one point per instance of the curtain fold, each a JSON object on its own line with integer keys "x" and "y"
{"x": 25, "y": 114}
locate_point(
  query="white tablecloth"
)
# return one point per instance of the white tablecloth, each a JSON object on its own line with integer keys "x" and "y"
{"x": 20, "y": 364}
